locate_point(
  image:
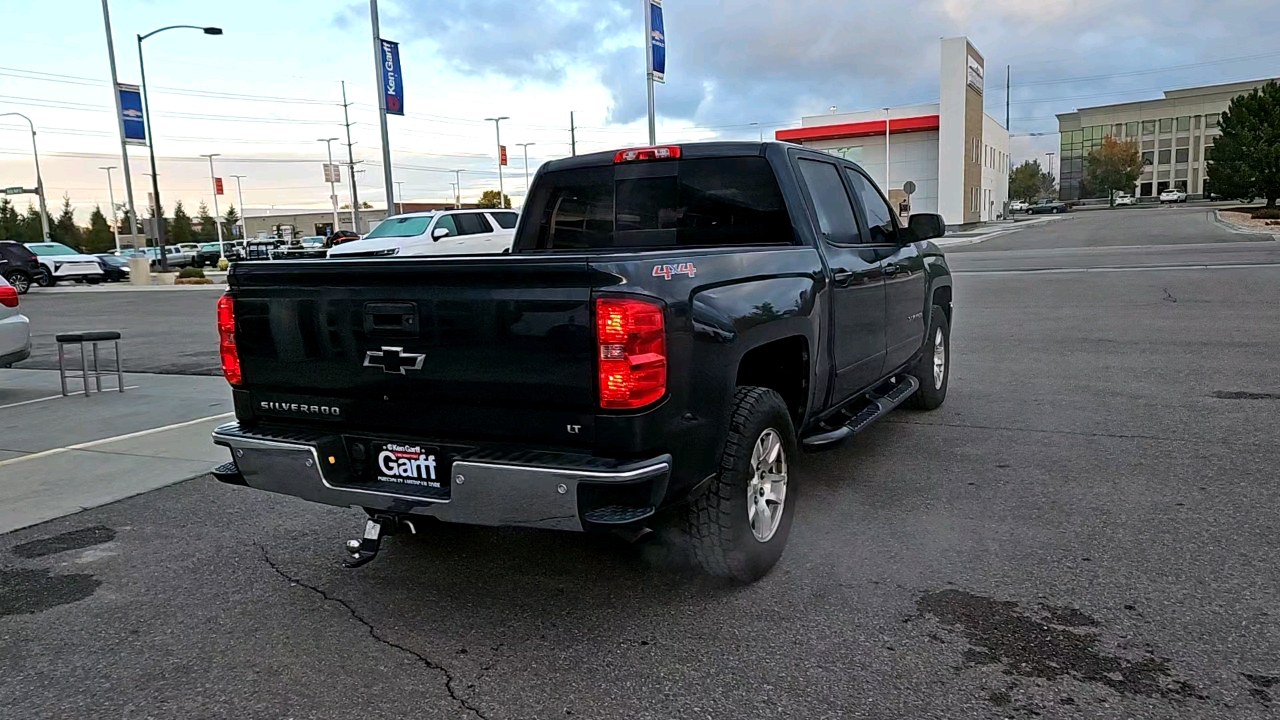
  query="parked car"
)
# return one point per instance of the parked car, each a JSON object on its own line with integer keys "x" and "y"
{"x": 207, "y": 255}
{"x": 342, "y": 236}
{"x": 173, "y": 255}
{"x": 19, "y": 265}
{"x": 15, "y": 329}
{"x": 673, "y": 326}
{"x": 189, "y": 248}
{"x": 62, "y": 263}
{"x": 114, "y": 267}
{"x": 446, "y": 232}
{"x": 1049, "y": 207}
{"x": 1125, "y": 199}
{"x": 1173, "y": 195}
{"x": 1019, "y": 206}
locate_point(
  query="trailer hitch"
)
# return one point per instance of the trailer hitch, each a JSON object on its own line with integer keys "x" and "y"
{"x": 364, "y": 550}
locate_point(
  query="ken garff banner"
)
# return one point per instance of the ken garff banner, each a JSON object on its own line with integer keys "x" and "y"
{"x": 657, "y": 41}
{"x": 392, "y": 83}
{"x": 135, "y": 130}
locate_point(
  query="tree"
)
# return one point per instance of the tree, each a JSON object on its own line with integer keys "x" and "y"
{"x": 1028, "y": 182}
{"x": 99, "y": 238}
{"x": 1112, "y": 166}
{"x": 208, "y": 231}
{"x": 65, "y": 229}
{"x": 180, "y": 231}
{"x": 29, "y": 228}
{"x": 10, "y": 220}
{"x": 489, "y": 199}
{"x": 232, "y": 218}
{"x": 1246, "y": 157}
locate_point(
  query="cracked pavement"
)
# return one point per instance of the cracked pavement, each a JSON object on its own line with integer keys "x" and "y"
{"x": 1087, "y": 528}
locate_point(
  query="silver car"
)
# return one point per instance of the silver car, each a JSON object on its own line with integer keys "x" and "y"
{"x": 15, "y": 329}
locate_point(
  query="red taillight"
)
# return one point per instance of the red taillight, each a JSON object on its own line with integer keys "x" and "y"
{"x": 8, "y": 296}
{"x": 661, "y": 152}
{"x": 631, "y": 338}
{"x": 227, "y": 339}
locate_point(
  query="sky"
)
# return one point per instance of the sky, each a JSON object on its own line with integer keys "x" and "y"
{"x": 263, "y": 94}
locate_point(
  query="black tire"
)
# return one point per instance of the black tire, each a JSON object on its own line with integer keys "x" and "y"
{"x": 932, "y": 394}
{"x": 717, "y": 521}
{"x": 44, "y": 279}
{"x": 93, "y": 280}
{"x": 20, "y": 280}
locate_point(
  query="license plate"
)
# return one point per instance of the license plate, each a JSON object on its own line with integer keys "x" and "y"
{"x": 408, "y": 469}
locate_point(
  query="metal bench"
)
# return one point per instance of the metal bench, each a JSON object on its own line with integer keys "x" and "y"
{"x": 91, "y": 337}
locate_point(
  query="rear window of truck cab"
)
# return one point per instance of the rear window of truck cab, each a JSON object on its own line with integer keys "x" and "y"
{"x": 706, "y": 202}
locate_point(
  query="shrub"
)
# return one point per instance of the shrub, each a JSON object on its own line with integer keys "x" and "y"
{"x": 191, "y": 272}
{"x": 223, "y": 264}
{"x": 1267, "y": 214}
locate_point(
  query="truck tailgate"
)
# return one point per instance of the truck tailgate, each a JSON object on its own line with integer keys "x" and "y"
{"x": 487, "y": 348}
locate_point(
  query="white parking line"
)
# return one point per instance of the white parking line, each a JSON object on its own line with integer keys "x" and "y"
{"x": 55, "y": 397}
{"x": 1130, "y": 268}
{"x": 117, "y": 438}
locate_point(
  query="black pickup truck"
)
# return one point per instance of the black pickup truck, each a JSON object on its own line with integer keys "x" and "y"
{"x": 672, "y": 326}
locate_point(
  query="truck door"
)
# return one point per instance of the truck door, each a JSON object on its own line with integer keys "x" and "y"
{"x": 904, "y": 279}
{"x": 857, "y": 332}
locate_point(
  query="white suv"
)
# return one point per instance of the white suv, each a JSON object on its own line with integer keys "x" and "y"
{"x": 15, "y": 329}
{"x": 442, "y": 232}
{"x": 62, "y": 263}
{"x": 1173, "y": 195}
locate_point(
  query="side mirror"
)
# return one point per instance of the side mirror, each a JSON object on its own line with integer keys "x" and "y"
{"x": 439, "y": 233}
{"x": 926, "y": 226}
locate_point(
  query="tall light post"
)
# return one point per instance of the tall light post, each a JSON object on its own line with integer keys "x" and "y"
{"x": 400, "y": 195}
{"x": 1051, "y": 155}
{"x": 761, "y": 131}
{"x": 331, "y": 171}
{"x": 132, "y": 214}
{"x": 111, "y": 198}
{"x": 887, "y": 185}
{"x": 526, "y": 169}
{"x": 497, "y": 128}
{"x": 244, "y": 229}
{"x": 213, "y": 185}
{"x": 151, "y": 138}
{"x": 44, "y": 211}
{"x": 454, "y": 185}
{"x": 382, "y": 106}
{"x": 457, "y": 175}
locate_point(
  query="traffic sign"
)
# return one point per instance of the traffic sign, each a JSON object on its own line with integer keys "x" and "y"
{"x": 14, "y": 190}
{"x": 909, "y": 187}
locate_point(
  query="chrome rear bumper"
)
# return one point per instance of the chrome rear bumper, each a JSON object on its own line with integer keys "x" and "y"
{"x": 521, "y": 489}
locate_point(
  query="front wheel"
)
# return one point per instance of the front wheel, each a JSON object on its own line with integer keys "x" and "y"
{"x": 19, "y": 280}
{"x": 45, "y": 279}
{"x": 933, "y": 369}
{"x": 739, "y": 526}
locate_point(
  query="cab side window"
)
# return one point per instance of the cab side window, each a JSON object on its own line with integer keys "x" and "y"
{"x": 831, "y": 205}
{"x": 880, "y": 221}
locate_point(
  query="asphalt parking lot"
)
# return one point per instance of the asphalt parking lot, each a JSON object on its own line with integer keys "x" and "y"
{"x": 1087, "y": 528}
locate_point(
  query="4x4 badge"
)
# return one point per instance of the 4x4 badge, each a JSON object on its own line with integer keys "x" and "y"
{"x": 666, "y": 271}
{"x": 394, "y": 360}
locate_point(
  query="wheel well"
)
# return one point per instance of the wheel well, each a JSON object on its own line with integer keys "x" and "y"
{"x": 942, "y": 298}
{"x": 782, "y": 366}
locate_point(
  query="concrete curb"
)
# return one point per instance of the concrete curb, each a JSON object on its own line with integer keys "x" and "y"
{"x": 1023, "y": 225}
{"x": 1240, "y": 229}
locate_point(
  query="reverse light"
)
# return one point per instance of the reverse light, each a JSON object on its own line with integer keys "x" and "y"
{"x": 8, "y": 296}
{"x": 659, "y": 152}
{"x": 631, "y": 338}
{"x": 227, "y": 340}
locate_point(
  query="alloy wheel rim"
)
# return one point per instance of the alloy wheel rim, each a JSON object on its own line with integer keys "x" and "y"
{"x": 20, "y": 283}
{"x": 767, "y": 489}
{"x": 939, "y": 360}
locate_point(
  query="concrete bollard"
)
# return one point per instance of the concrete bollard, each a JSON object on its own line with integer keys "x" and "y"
{"x": 139, "y": 271}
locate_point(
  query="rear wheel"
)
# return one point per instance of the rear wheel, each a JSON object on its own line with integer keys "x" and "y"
{"x": 44, "y": 279}
{"x": 933, "y": 369}
{"x": 739, "y": 526}
{"x": 20, "y": 281}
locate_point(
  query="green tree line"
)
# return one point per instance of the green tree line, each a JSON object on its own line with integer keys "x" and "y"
{"x": 98, "y": 236}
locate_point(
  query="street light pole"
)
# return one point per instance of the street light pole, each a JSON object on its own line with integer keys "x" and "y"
{"x": 887, "y": 185}
{"x": 333, "y": 190}
{"x": 457, "y": 175}
{"x": 44, "y": 210}
{"x": 382, "y": 107}
{"x": 132, "y": 213}
{"x": 1052, "y": 174}
{"x": 648, "y": 70}
{"x": 244, "y": 229}
{"x": 151, "y": 138}
{"x": 400, "y": 195}
{"x": 213, "y": 183}
{"x": 454, "y": 185}
{"x": 111, "y": 198}
{"x": 526, "y": 169}
{"x": 497, "y": 128}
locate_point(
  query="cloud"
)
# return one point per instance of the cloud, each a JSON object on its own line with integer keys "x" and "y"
{"x": 739, "y": 61}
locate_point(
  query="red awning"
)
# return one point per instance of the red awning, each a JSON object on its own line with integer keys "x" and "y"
{"x": 868, "y": 128}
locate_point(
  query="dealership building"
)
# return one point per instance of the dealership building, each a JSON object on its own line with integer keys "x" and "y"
{"x": 1175, "y": 135}
{"x": 955, "y": 155}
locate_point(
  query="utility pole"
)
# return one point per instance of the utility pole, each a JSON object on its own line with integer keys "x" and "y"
{"x": 382, "y": 108}
{"x": 213, "y": 182}
{"x": 648, "y": 75}
{"x": 44, "y": 210}
{"x": 400, "y": 194}
{"x": 111, "y": 198}
{"x": 526, "y": 169}
{"x": 497, "y": 128}
{"x": 887, "y": 185}
{"x": 457, "y": 175}
{"x": 351, "y": 163}
{"x": 454, "y": 185}
{"x": 573, "y": 136}
{"x": 244, "y": 229}
{"x": 330, "y": 171}
{"x": 131, "y": 215}
{"x": 1008, "y": 80}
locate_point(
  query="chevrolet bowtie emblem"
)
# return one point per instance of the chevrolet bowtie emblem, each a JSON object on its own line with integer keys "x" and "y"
{"x": 393, "y": 360}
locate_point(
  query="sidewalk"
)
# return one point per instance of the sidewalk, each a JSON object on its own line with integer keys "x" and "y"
{"x": 985, "y": 231}
{"x": 60, "y": 455}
